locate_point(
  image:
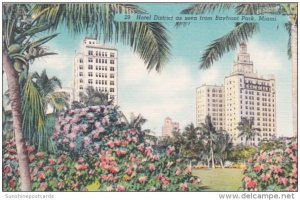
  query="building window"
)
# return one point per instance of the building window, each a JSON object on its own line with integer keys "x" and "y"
{"x": 80, "y": 60}
{"x": 80, "y": 81}
{"x": 112, "y": 69}
{"x": 90, "y": 67}
{"x": 90, "y": 74}
{"x": 105, "y": 54}
{"x": 111, "y": 89}
{"x": 112, "y": 76}
{"x": 90, "y": 81}
{"x": 90, "y": 52}
{"x": 112, "y": 55}
{"x": 112, "y": 62}
{"x": 90, "y": 60}
{"x": 81, "y": 87}
{"x": 111, "y": 82}
{"x": 80, "y": 66}
{"x": 80, "y": 74}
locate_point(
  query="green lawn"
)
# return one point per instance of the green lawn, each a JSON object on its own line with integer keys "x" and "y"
{"x": 220, "y": 179}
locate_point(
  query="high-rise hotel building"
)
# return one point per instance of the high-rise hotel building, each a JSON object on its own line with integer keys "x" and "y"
{"x": 96, "y": 66}
{"x": 244, "y": 94}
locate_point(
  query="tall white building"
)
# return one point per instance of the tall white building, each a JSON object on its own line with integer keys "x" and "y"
{"x": 96, "y": 66}
{"x": 210, "y": 101}
{"x": 245, "y": 95}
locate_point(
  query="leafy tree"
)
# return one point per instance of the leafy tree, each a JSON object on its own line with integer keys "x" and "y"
{"x": 93, "y": 97}
{"x": 224, "y": 144}
{"x": 210, "y": 136}
{"x": 243, "y": 31}
{"x": 247, "y": 130}
{"x": 22, "y": 22}
{"x": 241, "y": 153}
{"x": 271, "y": 144}
{"x": 47, "y": 87}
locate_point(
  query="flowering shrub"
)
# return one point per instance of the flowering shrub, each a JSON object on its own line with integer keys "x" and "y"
{"x": 95, "y": 145}
{"x": 274, "y": 170}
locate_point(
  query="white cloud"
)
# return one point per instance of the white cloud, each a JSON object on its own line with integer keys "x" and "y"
{"x": 157, "y": 95}
{"x": 211, "y": 76}
{"x": 264, "y": 58}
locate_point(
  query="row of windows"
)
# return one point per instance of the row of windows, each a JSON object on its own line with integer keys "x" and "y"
{"x": 103, "y": 82}
{"x": 102, "y": 89}
{"x": 90, "y": 74}
{"x": 214, "y": 90}
{"x": 99, "y": 53}
{"x": 104, "y": 61}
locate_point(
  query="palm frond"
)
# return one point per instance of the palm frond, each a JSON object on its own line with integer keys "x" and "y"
{"x": 258, "y": 8}
{"x": 57, "y": 100}
{"x": 228, "y": 42}
{"x": 149, "y": 40}
{"x": 204, "y": 8}
{"x": 288, "y": 27}
{"x": 33, "y": 115}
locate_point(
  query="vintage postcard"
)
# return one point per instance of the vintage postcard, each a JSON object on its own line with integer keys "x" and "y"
{"x": 153, "y": 97}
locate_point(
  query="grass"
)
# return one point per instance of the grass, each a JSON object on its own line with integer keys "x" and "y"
{"x": 93, "y": 187}
{"x": 220, "y": 179}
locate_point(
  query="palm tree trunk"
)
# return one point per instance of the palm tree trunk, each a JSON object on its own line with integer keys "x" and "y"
{"x": 15, "y": 98}
{"x": 212, "y": 157}
{"x": 221, "y": 162}
{"x": 294, "y": 42}
{"x": 208, "y": 165}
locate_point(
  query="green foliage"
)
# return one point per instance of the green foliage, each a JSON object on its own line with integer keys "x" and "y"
{"x": 274, "y": 170}
{"x": 241, "y": 153}
{"x": 95, "y": 145}
{"x": 33, "y": 115}
{"x": 148, "y": 39}
{"x": 247, "y": 130}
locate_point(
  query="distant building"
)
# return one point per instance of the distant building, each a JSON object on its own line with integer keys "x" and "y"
{"x": 96, "y": 66}
{"x": 168, "y": 127}
{"x": 244, "y": 94}
{"x": 210, "y": 101}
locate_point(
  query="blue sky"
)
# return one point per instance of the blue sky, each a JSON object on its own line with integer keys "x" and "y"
{"x": 172, "y": 92}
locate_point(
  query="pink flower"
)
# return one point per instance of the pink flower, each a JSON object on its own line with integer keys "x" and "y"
{"x": 148, "y": 151}
{"x": 43, "y": 186}
{"x": 31, "y": 158}
{"x": 60, "y": 185}
{"x": 40, "y": 164}
{"x": 118, "y": 143}
{"x": 291, "y": 189}
{"x": 95, "y": 134}
{"x": 12, "y": 183}
{"x": 120, "y": 188}
{"x": 151, "y": 167}
{"x": 141, "y": 147}
{"x": 178, "y": 172}
{"x": 283, "y": 181}
{"x": 110, "y": 144}
{"x": 105, "y": 120}
{"x": 294, "y": 146}
{"x": 251, "y": 184}
{"x": 257, "y": 167}
{"x": 7, "y": 170}
{"x": 134, "y": 140}
{"x": 41, "y": 176}
{"x": 124, "y": 134}
{"x": 39, "y": 154}
{"x": 113, "y": 169}
{"x": 260, "y": 158}
{"x": 72, "y": 146}
{"x": 86, "y": 141}
{"x": 81, "y": 167}
{"x": 142, "y": 179}
{"x": 170, "y": 150}
{"x": 51, "y": 161}
{"x": 128, "y": 171}
{"x": 120, "y": 152}
{"x": 30, "y": 149}
{"x": 83, "y": 127}
{"x": 265, "y": 178}
{"x": 188, "y": 170}
{"x": 288, "y": 150}
{"x": 183, "y": 186}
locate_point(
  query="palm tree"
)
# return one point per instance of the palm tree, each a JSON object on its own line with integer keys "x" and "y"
{"x": 191, "y": 143}
{"x": 243, "y": 31}
{"x": 247, "y": 130}
{"x": 22, "y": 22}
{"x": 47, "y": 87}
{"x": 223, "y": 145}
{"x": 92, "y": 97}
{"x": 209, "y": 137}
